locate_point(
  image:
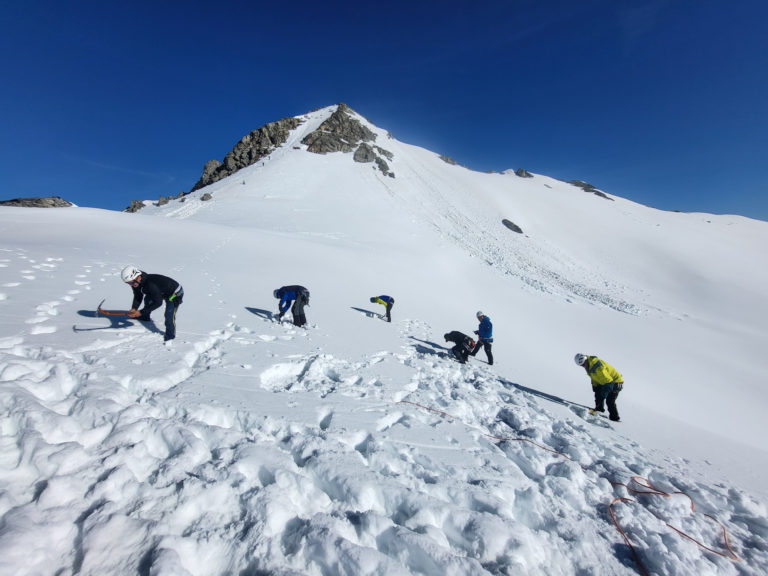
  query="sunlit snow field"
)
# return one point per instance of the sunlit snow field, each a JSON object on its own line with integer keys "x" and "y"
{"x": 356, "y": 446}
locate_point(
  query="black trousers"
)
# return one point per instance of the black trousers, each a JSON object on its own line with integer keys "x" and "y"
{"x": 607, "y": 393}
{"x": 461, "y": 351}
{"x": 487, "y": 347}
{"x": 299, "y": 319}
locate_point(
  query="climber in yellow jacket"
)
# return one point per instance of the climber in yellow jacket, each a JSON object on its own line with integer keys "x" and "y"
{"x": 607, "y": 382}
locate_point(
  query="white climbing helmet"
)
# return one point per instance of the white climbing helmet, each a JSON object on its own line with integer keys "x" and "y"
{"x": 479, "y": 314}
{"x": 130, "y": 273}
{"x": 580, "y": 359}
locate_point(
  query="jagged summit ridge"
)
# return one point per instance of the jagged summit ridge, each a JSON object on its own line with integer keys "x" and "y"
{"x": 340, "y": 132}
{"x": 249, "y": 150}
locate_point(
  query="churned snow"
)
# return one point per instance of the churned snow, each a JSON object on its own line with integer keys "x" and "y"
{"x": 356, "y": 446}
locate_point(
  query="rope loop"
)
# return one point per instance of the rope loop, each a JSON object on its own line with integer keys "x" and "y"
{"x": 645, "y": 488}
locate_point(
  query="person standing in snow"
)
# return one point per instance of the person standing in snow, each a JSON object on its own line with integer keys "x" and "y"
{"x": 463, "y": 345}
{"x": 387, "y": 302}
{"x": 153, "y": 289}
{"x": 484, "y": 336}
{"x": 294, "y": 297}
{"x": 606, "y": 383}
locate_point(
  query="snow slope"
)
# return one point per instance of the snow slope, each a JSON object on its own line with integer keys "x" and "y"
{"x": 357, "y": 446}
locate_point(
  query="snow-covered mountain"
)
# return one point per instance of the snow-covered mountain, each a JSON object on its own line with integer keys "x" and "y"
{"x": 357, "y": 446}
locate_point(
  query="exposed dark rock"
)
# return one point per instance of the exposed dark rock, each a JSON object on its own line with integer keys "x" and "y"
{"x": 205, "y": 197}
{"x": 386, "y": 153}
{"x": 512, "y": 226}
{"x": 589, "y": 188}
{"x": 248, "y": 151}
{"x": 46, "y": 202}
{"x": 209, "y": 170}
{"x": 135, "y": 206}
{"x": 163, "y": 200}
{"x": 364, "y": 153}
{"x": 341, "y": 132}
{"x": 384, "y": 167}
{"x": 583, "y": 185}
{"x": 448, "y": 160}
{"x": 523, "y": 173}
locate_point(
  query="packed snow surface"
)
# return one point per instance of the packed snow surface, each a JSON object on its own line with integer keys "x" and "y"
{"x": 356, "y": 446}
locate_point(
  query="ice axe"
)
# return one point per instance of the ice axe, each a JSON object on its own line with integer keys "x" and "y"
{"x": 100, "y": 310}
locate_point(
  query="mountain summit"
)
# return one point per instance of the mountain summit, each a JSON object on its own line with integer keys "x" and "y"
{"x": 342, "y": 131}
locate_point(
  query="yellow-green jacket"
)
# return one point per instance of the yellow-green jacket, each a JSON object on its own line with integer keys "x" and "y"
{"x": 602, "y": 373}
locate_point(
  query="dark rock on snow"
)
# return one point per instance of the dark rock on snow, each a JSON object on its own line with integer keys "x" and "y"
{"x": 512, "y": 226}
{"x": 47, "y": 202}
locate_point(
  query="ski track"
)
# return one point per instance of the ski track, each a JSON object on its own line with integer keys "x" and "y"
{"x": 162, "y": 447}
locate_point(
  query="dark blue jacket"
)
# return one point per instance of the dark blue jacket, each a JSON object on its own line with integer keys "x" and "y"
{"x": 485, "y": 330}
{"x": 288, "y": 294}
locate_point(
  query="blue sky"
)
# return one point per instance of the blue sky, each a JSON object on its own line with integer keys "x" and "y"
{"x": 662, "y": 102}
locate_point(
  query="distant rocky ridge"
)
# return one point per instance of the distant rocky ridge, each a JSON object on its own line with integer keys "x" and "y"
{"x": 47, "y": 202}
{"x": 249, "y": 150}
{"x": 340, "y": 132}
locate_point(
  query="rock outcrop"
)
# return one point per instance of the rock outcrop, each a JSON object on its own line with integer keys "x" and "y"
{"x": 135, "y": 206}
{"x": 342, "y": 132}
{"x": 249, "y": 150}
{"x": 589, "y": 188}
{"x": 47, "y": 202}
{"x": 512, "y": 226}
{"x": 523, "y": 173}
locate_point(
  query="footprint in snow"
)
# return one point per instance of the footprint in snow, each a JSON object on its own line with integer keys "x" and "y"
{"x": 43, "y": 330}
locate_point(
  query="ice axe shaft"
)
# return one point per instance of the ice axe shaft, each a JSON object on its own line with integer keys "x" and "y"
{"x": 100, "y": 310}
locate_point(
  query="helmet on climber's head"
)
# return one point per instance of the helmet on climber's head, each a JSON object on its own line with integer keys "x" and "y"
{"x": 580, "y": 359}
{"x": 276, "y": 293}
{"x": 130, "y": 273}
{"x": 479, "y": 314}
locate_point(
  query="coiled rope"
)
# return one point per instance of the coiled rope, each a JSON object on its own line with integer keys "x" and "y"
{"x": 652, "y": 490}
{"x": 644, "y": 483}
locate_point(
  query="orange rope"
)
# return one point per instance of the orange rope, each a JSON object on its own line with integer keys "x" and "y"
{"x": 641, "y": 481}
{"x": 651, "y": 489}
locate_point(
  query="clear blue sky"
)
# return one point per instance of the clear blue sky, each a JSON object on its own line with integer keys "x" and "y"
{"x": 664, "y": 102}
